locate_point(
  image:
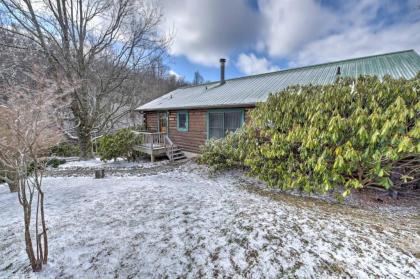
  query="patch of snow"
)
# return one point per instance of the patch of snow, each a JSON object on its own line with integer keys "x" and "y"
{"x": 184, "y": 223}
{"x": 118, "y": 164}
{"x": 82, "y": 164}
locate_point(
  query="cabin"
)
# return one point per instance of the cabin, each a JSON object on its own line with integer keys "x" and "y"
{"x": 182, "y": 120}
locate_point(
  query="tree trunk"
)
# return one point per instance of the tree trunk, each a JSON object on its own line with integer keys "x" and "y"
{"x": 28, "y": 240}
{"x": 13, "y": 187}
{"x": 78, "y": 108}
{"x": 85, "y": 144}
{"x": 44, "y": 230}
{"x": 13, "y": 182}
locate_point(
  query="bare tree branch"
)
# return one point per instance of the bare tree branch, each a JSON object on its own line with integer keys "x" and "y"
{"x": 100, "y": 43}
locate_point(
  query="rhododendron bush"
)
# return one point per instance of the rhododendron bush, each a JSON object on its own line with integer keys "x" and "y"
{"x": 351, "y": 134}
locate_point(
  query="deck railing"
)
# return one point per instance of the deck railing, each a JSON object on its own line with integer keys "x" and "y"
{"x": 169, "y": 148}
{"x": 152, "y": 140}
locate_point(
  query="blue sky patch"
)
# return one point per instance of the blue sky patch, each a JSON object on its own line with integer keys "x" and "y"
{"x": 259, "y": 36}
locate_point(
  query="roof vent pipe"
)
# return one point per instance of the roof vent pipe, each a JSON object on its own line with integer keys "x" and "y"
{"x": 222, "y": 70}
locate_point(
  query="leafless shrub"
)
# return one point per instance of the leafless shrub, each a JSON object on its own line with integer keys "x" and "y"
{"x": 28, "y": 129}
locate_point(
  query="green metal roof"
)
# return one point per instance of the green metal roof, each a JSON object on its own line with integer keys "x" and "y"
{"x": 247, "y": 91}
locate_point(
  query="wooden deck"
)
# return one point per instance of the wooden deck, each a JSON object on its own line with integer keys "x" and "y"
{"x": 157, "y": 144}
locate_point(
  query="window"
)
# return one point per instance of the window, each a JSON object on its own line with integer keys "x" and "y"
{"x": 221, "y": 122}
{"x": 182, "y": 121}
{"x": 216, "y": 129}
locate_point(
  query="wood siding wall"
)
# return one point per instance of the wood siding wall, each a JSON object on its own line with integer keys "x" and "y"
{"x": 151, "y": 121}
{"x": 197, "y": 128}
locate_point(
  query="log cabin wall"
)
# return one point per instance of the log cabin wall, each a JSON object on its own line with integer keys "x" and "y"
{"x": 151, "y": 121}
{"x": 196, "y": 135}
{"x": 197, "y": 130}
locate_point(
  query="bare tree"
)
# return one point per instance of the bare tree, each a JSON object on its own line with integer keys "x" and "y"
{"x": 101, "y": 43}
{"x": 198, "y": 78}
{"x": 27, "y": 131}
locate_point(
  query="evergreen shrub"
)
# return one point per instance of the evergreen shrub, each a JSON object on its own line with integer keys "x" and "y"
{"x": 66, "y": 149}
{"x": 350, "y": 134}
{"x": 222, "y": 154}
{"x": 118, "y": 145}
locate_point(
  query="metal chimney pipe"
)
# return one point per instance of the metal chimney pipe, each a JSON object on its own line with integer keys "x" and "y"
{"x": 338, "y": 71}
{"x": 222, "y": 70}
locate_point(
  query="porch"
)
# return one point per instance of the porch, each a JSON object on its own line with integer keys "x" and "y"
{"x": 158, "y": 144}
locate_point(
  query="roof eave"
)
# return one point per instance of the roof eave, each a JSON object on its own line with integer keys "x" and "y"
{"x": 243, "y": 105}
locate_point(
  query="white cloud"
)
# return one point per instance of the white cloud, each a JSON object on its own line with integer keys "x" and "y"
{"x": 306, "y": 32}
{"x": 299, "y": 32}
{"x": 175, "y": 74}
{"x": 250, "y": 64}
{"x": 362, "y": 32}
{"x": 209, "y": 29}
{"x": 361, "y": 41}
{"x": 289, "y": 23}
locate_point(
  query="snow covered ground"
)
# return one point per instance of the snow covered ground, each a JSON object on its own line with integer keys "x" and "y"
{"x": 119, "y": 164}
{"x": 186, "y": 224}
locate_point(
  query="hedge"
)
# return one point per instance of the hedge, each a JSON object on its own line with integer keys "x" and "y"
{"x": 347, "y": 135}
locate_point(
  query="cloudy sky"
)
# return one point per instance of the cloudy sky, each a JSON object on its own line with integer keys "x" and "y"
{"x": 258, "y": 36}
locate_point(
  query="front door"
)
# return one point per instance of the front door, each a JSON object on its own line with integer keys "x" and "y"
{"x": 163, "y": 122}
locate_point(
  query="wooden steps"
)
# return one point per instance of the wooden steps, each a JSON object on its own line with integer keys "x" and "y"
{"x": 175, "y": 154}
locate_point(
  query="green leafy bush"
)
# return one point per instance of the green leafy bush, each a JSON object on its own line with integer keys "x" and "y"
{"x": 118, "y": 145}
{"x": 352, "y": 134}
{"x": 222, "y": 154}
{"x": 66, "y": 149}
